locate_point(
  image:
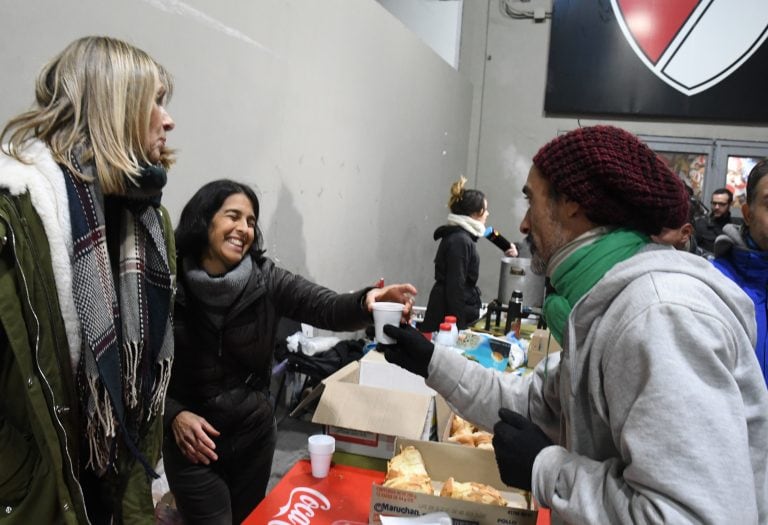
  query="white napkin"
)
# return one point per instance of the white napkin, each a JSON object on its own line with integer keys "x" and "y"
{"x": 433, "y": 518}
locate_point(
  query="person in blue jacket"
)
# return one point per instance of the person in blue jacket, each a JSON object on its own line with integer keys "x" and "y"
{"x": 741, "y": 253}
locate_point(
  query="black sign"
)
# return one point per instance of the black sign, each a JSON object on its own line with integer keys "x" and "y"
{"x": 680, "y": 59}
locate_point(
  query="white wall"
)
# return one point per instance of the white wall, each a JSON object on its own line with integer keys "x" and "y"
{"x": 348, "y": 125}
{"x": 506, "y": 61}
{"x": 436, "y": 22}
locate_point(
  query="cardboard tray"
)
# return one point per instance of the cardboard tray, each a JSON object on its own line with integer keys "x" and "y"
{"x": 442, "y": 461}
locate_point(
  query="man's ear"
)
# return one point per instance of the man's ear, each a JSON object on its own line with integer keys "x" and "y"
{"x": 571, "y": 208}
{"x": 745, "y": 212}
{"x": 687, "y": 230}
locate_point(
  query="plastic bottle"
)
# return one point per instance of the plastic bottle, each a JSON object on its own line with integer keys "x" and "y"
{"x": 451, "y": 319}
{"x": 444, "y": 336}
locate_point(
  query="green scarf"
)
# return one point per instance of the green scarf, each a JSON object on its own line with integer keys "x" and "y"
{"x": 582, "y": 269}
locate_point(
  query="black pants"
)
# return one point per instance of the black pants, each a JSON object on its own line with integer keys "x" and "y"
{"x": 227, "y": 490}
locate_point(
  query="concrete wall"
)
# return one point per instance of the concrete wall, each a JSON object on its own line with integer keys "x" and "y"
{"x": 506, "y": 61}
{"x": 350, "y": 128}
{"x": 436, "y": 22}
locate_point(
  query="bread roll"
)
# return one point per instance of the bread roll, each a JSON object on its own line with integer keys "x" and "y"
{"x": 482, "y": 437}
{"x": 465, "y": 433}
{"x": 406, "y": 471}
{"x": 407, "y": 463}
{"x": 412, "y": 483}
{"x": 486, "y": 446}
{"x": 463, "y": 439}
{"x": 461, "y": 426}
{"x": 472, "y": 491}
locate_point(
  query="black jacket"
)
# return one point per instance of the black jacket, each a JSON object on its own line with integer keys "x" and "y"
{"x": 222, "y": 375}
{"x": 457, "y": 266}
{"x": 706, "y": 230}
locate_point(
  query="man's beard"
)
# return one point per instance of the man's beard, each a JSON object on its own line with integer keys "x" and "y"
{"x": 539, "y": 260}
{"x": 538, "y": 265}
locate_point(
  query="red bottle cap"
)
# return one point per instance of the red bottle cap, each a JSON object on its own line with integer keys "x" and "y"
{"x": 445, "y": 327}
{"x": 450, "y": 319}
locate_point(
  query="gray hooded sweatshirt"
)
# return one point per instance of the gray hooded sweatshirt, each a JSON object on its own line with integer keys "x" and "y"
{"x": 656, "y": 404}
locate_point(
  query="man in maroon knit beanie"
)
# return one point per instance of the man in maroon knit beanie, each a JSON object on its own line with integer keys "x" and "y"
{"x": 656, "y": 402}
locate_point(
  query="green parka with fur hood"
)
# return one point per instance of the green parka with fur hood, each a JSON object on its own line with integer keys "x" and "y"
{"x": 39, "y": 427}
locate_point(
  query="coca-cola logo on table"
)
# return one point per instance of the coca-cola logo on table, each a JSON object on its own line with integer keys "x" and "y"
{"x": 301, "y": 506}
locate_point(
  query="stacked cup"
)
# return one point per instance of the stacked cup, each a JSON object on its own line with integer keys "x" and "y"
{"x": 321, "y": 448}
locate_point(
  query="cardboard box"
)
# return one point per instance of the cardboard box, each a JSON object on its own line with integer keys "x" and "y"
{"x": 376, "y": 371}
{"x": 365, "y": 419}
{"x": 444, "y": 460}
{"x": 542, "y": 344}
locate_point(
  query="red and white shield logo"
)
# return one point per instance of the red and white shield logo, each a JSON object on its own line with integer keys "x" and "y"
{"x": 693, "y": 44}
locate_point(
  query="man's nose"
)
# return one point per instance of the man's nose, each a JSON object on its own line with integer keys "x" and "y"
{"x": 525, "y": 225}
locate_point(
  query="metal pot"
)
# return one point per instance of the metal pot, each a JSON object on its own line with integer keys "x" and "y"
{"x": 516, "y": 274}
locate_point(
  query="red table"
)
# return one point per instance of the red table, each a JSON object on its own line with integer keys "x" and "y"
{"x": 344, "y": 497}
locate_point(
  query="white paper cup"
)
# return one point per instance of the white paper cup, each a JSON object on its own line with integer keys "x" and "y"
{"x": 321, "y": 448}
{"x": 386, "y": 313}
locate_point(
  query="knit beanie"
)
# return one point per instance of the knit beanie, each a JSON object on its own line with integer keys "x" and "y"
{"x": 617, "y": 179}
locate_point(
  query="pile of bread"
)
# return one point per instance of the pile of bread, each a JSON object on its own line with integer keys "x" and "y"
{"x": 406, "y": 471}
{"x": 465, "y": 433}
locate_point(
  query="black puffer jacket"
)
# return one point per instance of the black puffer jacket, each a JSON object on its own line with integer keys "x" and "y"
{"x": 707, "y": 229}
{"x": 211, "y": 366}
{"x": 457, "y": 267}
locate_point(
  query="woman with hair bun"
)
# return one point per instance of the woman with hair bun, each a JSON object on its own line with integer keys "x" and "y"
{"x": 457, "y": 263}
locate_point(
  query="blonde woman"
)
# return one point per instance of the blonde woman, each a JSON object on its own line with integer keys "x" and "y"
{"x": 457, "y": 263}
{"x": 86, "y": 288}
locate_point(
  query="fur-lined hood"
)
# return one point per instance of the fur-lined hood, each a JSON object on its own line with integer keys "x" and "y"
{"x": 43, "y": 180}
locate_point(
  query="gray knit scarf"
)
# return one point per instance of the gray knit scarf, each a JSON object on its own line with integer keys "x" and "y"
{"x": 124, "y": 309}
{"x": 217, "y": 293}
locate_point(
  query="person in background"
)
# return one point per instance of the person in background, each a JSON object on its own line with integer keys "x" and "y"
{"x": 656, "y": 401}
{"x": 741, "y": 253}
{"x": 708, "y": 228}
{"x": 221, "y": 427}
{"x": 86, "y": 289}
{"x": 457, "y": 263}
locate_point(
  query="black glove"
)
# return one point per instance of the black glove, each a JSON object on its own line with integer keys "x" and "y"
{"x": 516, "y": 442}
{"x": 412, "y": 351}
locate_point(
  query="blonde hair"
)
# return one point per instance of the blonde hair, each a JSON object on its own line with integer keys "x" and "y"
{"x": 457, "y": 190}
{"x": 97, "y": 94}
{"x": 465, "y": 202}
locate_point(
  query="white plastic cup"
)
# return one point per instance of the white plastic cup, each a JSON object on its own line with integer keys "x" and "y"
{"x": 386, "y": 313}
{"x": 321, "y": 448}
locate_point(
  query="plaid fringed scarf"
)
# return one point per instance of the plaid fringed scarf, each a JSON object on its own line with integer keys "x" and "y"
{"x": 127, "y": 348}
